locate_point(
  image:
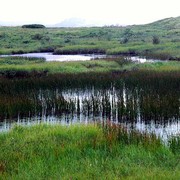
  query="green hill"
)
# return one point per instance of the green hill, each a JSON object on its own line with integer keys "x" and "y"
{"x": 168, "y": 23}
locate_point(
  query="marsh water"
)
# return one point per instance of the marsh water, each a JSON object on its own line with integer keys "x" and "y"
{"x": 135, "y": 108}
{"x": 52, "y": 57}
{"x": 146, "y": 103}
{"x": 79, "y": 57}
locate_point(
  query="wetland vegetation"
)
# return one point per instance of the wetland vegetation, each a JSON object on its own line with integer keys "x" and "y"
{"x": 86, "y": 152}
{"x": 131, "y": 110}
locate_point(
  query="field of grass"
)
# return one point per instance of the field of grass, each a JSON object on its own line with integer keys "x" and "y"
{"x": 130, "y": 40}
{"x": 86, "y": 152}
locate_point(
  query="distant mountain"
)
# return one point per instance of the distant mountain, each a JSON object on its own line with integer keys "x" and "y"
{"x": 7, "y": 23}
{"x": 78, "y": 22}
{"x": 72, "y": 22}
{"x": 168, "y": 23}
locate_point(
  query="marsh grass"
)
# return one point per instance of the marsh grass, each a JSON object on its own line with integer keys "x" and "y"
{"x": 84, "y": 151}
{"x": 174, "y": 144}
{"x": 38, "y": 64}
{"x": 15, "y": 60}
{"x": 121, "y": 64}
{"x": 122, "y": 95}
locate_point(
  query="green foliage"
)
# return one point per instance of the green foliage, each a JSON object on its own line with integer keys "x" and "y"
{"x": 33, "y": 26}
{"x": 127, "y": 34}
{"x": 155, "y": 40}
{"x": 174, "y": 144}
{"x": 80, "y": 49}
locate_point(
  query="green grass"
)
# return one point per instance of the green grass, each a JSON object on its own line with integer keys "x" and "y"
{"x": 13, "y": 64}
{"x": 84, "y": 152}
{"x": 160, "y": 66}
{"x": 18, "y": 64}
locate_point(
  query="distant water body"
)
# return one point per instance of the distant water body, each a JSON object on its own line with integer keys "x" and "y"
{"x": 79, "y": 57}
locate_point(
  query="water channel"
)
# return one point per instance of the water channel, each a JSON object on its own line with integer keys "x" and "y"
{"x": 79, "y": 57}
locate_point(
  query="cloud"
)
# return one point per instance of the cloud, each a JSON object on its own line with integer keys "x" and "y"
{"x": 115, "y": 11}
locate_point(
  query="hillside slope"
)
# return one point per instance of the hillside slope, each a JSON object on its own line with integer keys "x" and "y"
{"x": 168, "y": 23}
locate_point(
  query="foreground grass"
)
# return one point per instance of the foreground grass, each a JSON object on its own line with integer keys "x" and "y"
{"x": 84, "y": 152}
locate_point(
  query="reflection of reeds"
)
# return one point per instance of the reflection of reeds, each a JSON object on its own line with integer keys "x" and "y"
{"x": 121, "y": 97}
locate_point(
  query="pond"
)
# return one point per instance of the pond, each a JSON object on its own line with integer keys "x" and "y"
{"x": 52, "y": 57}
{"x": 133, "y": 108}
{"x": 79, "y": 57}
{"x": 143, "y": 102}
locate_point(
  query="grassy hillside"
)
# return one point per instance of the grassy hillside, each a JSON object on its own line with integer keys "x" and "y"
{"x": 130, "y": 40}
{"x": 168, "y": 23}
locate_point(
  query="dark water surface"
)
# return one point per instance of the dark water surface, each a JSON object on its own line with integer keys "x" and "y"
{"x": 150, "y": 111}
{"x": 144, "y": 102}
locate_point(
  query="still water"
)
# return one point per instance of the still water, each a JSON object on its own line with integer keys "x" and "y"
{"x": 147, "y": 110}
{"x": 52, "y": 57}
{"x": 132, "y": 108}
{"x": 79, "y": 57}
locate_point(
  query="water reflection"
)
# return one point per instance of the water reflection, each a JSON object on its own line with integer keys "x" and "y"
{"x": 134, "y": 108}
{"x": 81, "y": 57}
{"x": 52, "y": 57}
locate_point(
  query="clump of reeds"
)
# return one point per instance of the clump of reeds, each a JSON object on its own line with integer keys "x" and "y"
{"x": 83, "y": 152}
{"x": 116, "y": 133}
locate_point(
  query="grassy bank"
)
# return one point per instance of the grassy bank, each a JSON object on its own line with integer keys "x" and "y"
{"x": 16, "y": 66}
{"x": 85, "y": 152}
{"x": 23, "y": 80}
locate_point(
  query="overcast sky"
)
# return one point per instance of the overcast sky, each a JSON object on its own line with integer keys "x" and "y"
{"x": 108, "y": 11}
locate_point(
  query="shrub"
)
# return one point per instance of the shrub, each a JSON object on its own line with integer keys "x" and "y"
{"x": 33, "y": 26}
{"x": 156, "y": 40}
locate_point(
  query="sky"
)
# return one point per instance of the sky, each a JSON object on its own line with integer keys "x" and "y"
{"x": 123, "y": 12}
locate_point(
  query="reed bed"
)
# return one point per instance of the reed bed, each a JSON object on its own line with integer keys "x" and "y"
{"x": 119, "y": 96}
